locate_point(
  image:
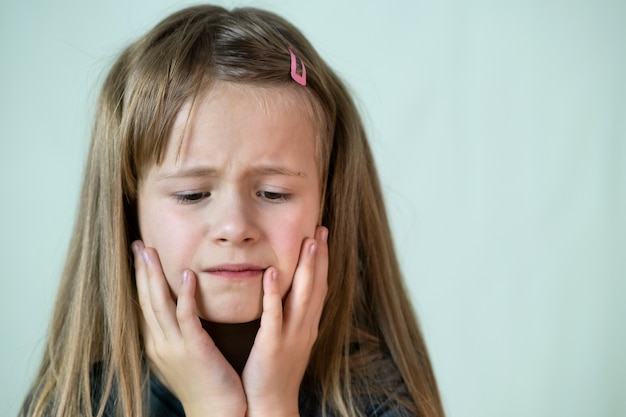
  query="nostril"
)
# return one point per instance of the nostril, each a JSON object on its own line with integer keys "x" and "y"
{"x": 228, "y": 240}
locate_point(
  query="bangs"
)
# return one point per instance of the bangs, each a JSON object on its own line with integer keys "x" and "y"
{"x": 184, "y": 55}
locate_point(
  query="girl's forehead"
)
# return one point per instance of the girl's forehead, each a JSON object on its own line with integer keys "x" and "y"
{"x": 249, "y": 118}
{"x": 270, "y": 101}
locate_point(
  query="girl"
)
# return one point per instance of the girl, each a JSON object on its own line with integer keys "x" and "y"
{"x": 232, "y": 254}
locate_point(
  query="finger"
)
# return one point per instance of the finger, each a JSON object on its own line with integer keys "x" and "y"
{"x": 143, "y": 291}
{"x": 186, "y": 308}
{"x": 320, "y": 284}
{"x": 272, "y": 316}
{"x": 298, "y": 299}
{"x": 140, "y": 271}
{"x": 161, "y": 301}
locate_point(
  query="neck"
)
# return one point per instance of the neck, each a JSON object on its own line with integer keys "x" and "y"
{"x": 233, "y": 340}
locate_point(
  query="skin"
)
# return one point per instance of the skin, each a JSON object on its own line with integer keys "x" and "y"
{"x": 229, "y": 235}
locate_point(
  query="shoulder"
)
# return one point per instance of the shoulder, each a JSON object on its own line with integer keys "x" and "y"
{"x": 162, "y": 402}
{"x": 381, "y": 391}
{"x": 96, "y": 386}
{"x": 158, "y": 400}
{"x": 388, "y": 407}
{"x": 378, "y": 390}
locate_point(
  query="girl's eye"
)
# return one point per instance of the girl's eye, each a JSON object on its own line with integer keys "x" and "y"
{"x": 273, "y": 196}
{"x": 191, "y": 197}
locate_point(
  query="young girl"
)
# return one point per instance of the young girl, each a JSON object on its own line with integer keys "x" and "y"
{"x": 232, "y": 255}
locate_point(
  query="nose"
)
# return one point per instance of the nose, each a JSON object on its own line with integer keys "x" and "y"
{"x": 232, "y": 221}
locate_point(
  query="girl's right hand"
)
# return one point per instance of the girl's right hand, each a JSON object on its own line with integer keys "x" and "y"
{"x": 181, "y": 354}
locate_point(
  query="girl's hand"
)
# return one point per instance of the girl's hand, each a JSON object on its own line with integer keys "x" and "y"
{"x": 280, "y": 354}
{"x": 181, "y": 353}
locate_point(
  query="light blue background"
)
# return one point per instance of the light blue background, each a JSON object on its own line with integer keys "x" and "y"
{"x": 499, "y": 128}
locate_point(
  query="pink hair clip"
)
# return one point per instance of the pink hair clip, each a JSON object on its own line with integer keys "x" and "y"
{"x": 300, "y": 79}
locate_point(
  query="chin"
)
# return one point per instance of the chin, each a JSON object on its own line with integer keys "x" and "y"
{"x": 229, "y": 304}
{"x": 230, "y": 315}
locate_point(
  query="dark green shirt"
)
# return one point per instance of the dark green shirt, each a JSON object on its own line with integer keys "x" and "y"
{"x": 163, "y": 403}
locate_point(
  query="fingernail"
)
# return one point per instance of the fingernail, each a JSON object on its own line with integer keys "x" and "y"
{"x": 146, "y": 256}
{"x": 313, "y": 248}
{"x": 324, "y": 234}
{"x": 273, "y": 275}
{"x": 186, "y": 276}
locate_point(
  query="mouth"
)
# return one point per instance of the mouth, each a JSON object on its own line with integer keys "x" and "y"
{"x": 236, "y": 271}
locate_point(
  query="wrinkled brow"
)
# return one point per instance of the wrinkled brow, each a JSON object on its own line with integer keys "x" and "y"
{"x": 264, "y": 170}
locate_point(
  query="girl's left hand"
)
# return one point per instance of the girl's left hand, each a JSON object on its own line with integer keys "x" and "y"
{"x": 281, "y": 350}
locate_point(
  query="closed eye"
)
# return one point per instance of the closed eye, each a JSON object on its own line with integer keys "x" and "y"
{"x": 190, "y": 198}
{"x": 273, "y": 196}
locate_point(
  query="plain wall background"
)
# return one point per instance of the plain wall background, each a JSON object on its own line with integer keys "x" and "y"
{"x": 499, "y": 129}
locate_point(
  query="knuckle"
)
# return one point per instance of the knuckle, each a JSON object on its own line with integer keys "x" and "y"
{"x": 313, "y": 334}
{"x": 151, "y": 349}
{"x": 274, "y": 313}
{"x": 324, "y": 286}
{"x": 182, "y": 314}
{"x": 143, "y": 304}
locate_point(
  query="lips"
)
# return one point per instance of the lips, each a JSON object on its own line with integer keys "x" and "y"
{"x": 236, "y": 271}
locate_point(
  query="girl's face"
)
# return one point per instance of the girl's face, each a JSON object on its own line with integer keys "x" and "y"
{"x": 237, "y": 195}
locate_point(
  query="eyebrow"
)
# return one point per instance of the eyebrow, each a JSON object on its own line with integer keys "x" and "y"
{"x": 188, "y": 173}
{"x": 263, "y": 170}
{"x": 267, "y": 170}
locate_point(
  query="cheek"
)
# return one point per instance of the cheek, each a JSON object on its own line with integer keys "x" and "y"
{"x": 173, "y": 240}
{"x": 287, "y": 245}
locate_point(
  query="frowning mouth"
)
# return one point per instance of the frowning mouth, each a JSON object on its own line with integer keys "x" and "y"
{"x": 236, "y": 271}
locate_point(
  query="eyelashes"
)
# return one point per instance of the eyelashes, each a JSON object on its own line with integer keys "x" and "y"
{"x": 190, "y": 198}
{"x": 273, "y": 196}
{"x": 196, "y": 197}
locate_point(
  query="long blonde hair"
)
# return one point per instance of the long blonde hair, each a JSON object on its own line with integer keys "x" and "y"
{"x": 367, "y": 316}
